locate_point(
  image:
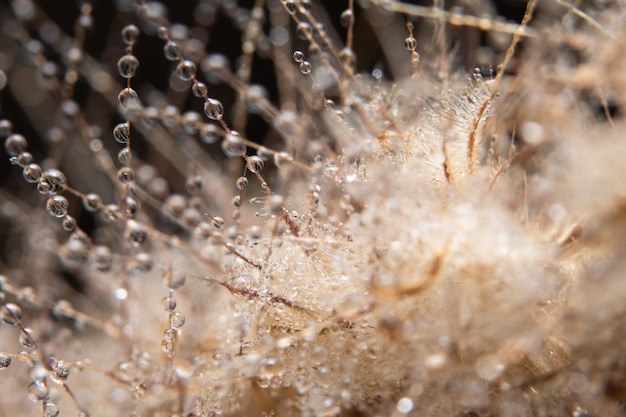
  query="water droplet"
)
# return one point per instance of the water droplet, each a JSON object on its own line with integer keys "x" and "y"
{"x": 213, "y": 109}
{"x": 128, "y": 99}
{"x": 291, "y": 6}
{"x": 127, "y": 66}
{"x": 347, "y": 18}
{"x": 168, "y": 303}
{"x": 186, "y": 70}
{"x": 124, "y": 156}
{"x": 125, "y": 175}
{"x": 140, "y": 391}
{"x": 298, "y": 56}
{"x": 209, "y": 133}
{"x": 282, "y": 158}
{"x": 264, "y": 382}
{"x": 199, "y": 89}
{"x": 121, "y": 133}
{"x": 410, "y": 43}
{"x": 242, "y": 183}
{"x": 5, "y": 360}
{"x": 130, "y": 33}
{"x": 169, "y": 334}
{"x": 172, "y": 51}
{"x": 6, "y": 127}
{"x": 15, "y": 144}
{"x": 254, "y": 164}
{"x": 217, "y": 223}
{"x": 57, "y": 206}
{"x": 232, "y": 145}
{"x": 69, "y": 224}
{"x": 193, "y": 184}
{"x": 32, "y": 173}
{"x": 305, "y": 67}
{"x": 53, "y": 180}
{"x": 177, "y": 320}
{"x": 184, "y": 368}
{"x": 51, "y": 409}
{"x": 348, "y": 57}
{"x": 167, "y": 346}
{"x": 136, "y": 234}
{"x": 91, "y": 202}
{"x": 38, "y": 391}
{"x": 25, "y": 338}
{"x": 60, "y": 372}
{"x": 304, "y": 30}
{"x": 305, "y": 6}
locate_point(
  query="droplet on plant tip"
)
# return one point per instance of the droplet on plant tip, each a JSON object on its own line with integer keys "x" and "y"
{"x": 38, "y": 391}
{"x": 254, "y": 164}
{"x": 57, "y": 206}
{"x": 128, "y": 99}
{"x": 121, "y": 133}
{"x": 410, "y": 43}
{"x": 130, "y": 33}
{"x": 32, "y": 173}
{"x": 242, "y": 183}
{"x": 213, "y": 109}
{"x": 125, "y": 175}
{"x": 11, "y": 313}
{"x": 127, "y": 66}
{"x": 347, "y": 18}
{"x": 51, "y": 409}
{"x": 298, "y": 56}
{"x": 177, "y": 320}
{"x": 186, "y": 70}
{"x": 15, "y": 144}
{"x": 232, "y": 145}
{"x": 168, "y": 303}
{"x": 5, "y": 360}
{"x": 291, "y": 6}
{"x": 305, "y": 67}
{"x": 25, "y": 338}
{"x": 91, "y": 202}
